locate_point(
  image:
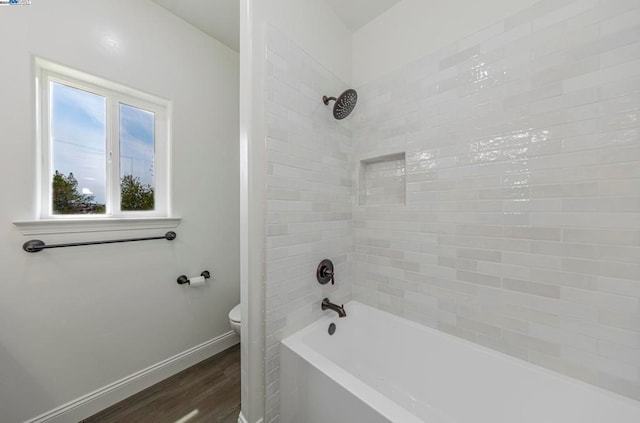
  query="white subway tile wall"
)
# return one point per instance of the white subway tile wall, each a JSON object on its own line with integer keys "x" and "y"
{"x": 517, "y": 221}
{"x": 310, "y": 195}
{"x": 521, "y": 229}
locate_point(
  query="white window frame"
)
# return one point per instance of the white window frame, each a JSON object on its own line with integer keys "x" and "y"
{"x": 115, "y": 95}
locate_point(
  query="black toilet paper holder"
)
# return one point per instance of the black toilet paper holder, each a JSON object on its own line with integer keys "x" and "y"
{"x": 182, "y": 279}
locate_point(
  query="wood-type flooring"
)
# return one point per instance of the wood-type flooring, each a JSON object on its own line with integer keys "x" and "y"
{"x": 212, "y": 387}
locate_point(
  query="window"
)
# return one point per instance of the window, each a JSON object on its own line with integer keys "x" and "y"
{"x": 104, "y": 148}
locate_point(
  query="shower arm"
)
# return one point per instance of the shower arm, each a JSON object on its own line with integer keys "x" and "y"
{"x": 326, "y": 99}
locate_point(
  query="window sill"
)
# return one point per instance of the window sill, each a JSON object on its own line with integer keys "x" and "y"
{"x": 68, "y": 226}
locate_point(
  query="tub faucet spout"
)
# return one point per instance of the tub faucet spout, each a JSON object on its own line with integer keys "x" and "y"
{"x": 328, "y": 305}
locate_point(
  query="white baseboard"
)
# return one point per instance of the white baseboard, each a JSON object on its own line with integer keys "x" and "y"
{"x": 98, "y": 400}
{"x": 241, "y": 419}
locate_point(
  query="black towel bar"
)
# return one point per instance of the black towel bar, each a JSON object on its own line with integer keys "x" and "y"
{"x": 35, "y": 245}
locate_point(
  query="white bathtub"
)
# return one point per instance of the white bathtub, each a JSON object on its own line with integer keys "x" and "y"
{"x": 378, "y": 367}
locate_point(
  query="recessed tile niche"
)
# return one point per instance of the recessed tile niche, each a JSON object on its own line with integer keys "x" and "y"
{"x": 383, "y": 181}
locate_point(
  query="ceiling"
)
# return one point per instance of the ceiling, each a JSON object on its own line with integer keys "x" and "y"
{"x": 357, "y": 13}
{"x": 221, "y": 18}
{"x": 218, "y": 18}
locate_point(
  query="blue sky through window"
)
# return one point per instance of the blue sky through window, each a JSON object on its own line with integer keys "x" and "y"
{"x": 78, "y": 130}
{"x": 136, "y": 143}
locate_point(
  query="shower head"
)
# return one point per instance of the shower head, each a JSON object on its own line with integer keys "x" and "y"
{"x": 344, "y": 104}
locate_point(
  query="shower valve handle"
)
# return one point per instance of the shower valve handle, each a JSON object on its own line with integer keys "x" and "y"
{"x": 329, "y": 274}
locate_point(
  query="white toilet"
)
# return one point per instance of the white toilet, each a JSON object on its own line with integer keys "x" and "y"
{"x": 235, "y": 319}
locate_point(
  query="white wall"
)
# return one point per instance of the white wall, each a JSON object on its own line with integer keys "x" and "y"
{"x": 413, "y": 28}
{"x": 314, "y": 26}
{"x": 73, "y": 320}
